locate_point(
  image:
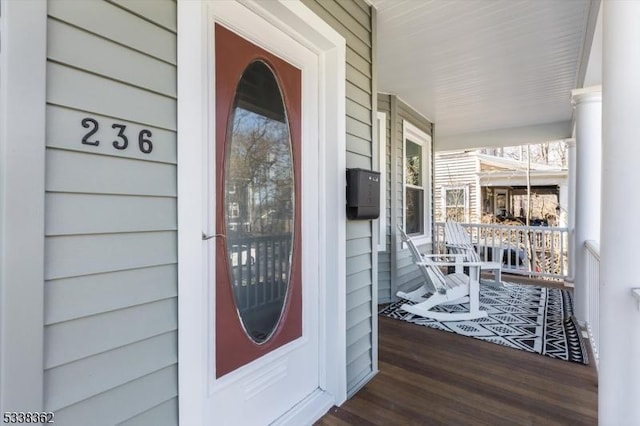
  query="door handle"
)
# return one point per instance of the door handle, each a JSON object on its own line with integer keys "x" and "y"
{"x": 206, "y": 237}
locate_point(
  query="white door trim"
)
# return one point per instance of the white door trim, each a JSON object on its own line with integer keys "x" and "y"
{"x": 195, "y": 107}
{"x": 23, "y": 34}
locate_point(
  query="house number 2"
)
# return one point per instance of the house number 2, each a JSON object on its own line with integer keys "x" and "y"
{"x": 144, "y": 142}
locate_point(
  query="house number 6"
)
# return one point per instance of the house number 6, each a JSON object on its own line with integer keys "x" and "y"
{"x": 122, "y": 142}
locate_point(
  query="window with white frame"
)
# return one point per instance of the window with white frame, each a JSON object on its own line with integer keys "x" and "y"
{"x": 382, "y": 167}
{"x": 455, "y": 200}
{"x": 417, "y": 183}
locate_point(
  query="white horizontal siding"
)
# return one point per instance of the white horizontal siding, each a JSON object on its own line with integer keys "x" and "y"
{"x": 358, "y": 280}
{"x": 358, "y": 297}
{"x": 358, "y": 246}
{"x": 404, "y": 273}
{"x": 80, "y": 213}
{"x": 119, "y": 404}
{"x": 360, "y": 347}
{"x": 69, "y": 87}
{"x": 69, "y": 171}
{"x": 160, "y": 12}
{"x": 114, "y": 23}
{"x": 76, "y": 297}
{"x": 74, "y": 382}
{"x": 359, "y": 369}
{"x": 95, "y": 54}
{"x": 160, "y": 415}
{"x": 384, "y": 258}
{"x": 71, "y": 256}
{"x": 359, "y": 314}
{"x": 361, "y": 329}
{"x": 97, "y": 331}
{"x": 359, "y": 263}
{"x": 110, "y": 333}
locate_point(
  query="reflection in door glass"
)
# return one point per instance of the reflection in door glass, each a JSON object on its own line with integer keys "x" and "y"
{"x": 259, "y": 201}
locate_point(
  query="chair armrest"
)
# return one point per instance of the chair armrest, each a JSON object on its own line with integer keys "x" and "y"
{"x": 465, "y": 264}
{"x": 460, "y": 246}
{"x": 458, "y": 259}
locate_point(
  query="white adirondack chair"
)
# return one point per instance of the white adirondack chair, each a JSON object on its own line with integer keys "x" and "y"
{"x": 443, "y": 289}
{"x": 458, "y": 241}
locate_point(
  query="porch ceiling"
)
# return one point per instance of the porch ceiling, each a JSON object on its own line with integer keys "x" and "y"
{"x": 486, "y": 72}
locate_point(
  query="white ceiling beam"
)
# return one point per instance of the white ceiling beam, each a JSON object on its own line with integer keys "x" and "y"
{"x": 532, "y": 134}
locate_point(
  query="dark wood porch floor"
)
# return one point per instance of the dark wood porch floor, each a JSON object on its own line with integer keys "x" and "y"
{"x": 432, "y": 377}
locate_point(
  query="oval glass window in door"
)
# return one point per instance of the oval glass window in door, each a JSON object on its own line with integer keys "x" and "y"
{"x": 259, "y": 201}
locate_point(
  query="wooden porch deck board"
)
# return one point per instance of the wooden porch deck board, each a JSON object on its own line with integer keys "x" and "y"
{"x": 432, "y": 377}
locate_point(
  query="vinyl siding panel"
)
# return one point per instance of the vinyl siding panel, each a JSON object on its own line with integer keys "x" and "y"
{"x": 359, "y": 146}
{"x": 355, "y": 160}
{"x": 97, "y": 333}
{"x": 359, "y": 112}
{"x": 110, "y": 333}
{"x": 88, "y": 52}
{"x": 407, "y": 273}
{"x": 360, "y": 329}
{"x": 160, "y": 13}
{"x": 357, "y": 95}
{"x": 69, "y": 171}
{"x": 77, "y": 297}
{"x": 359, "y": 280}
{"x": 120, "y": 25}
{"x": 129, "y": 400}
{"x": 384, "y": 258}
{"x": 358, "y": 128}
{"x": 353, "y": 20}
{"x": 75, "y": 255}
{"x": 68, "y": 87}
{"x": 79, "y": 213}
{"x": 396, "y": 270}
{"x": 74, "y": 382}
{"x": 359, "y": 263}
{"x": 359, "y": 62}
{"x": 159, "y": 415}
{"x": 358, "y": 78}
{"x": 357, "y": 297}
{"x": 360, "y": 369}
{"x": 358, "y": 246}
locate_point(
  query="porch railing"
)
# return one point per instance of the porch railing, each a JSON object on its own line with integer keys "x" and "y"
{"x": 537, "y": 251}
{"x": 260, "y": 268}
{"x": 593, "y": 295}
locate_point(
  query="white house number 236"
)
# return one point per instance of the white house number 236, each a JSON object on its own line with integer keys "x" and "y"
{"x": 122, "y": 142}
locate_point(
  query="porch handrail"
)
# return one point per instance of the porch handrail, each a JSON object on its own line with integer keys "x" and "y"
{"x": 593, "y": 295}
{"x": 540, "y": 251}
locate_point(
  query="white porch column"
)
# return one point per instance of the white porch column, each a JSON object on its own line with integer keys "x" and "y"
{"x": 619, "y": 375}
{"x": 588, "y": 120}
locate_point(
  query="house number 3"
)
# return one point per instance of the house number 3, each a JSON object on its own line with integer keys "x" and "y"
{"x": 144, "y": 136}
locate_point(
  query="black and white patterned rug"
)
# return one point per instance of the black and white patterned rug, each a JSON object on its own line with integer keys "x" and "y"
{"x": 530, "y": 318}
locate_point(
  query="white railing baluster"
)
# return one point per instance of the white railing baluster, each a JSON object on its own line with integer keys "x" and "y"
{"x": 593, "y": 295}
{"x": 546, "y": 255}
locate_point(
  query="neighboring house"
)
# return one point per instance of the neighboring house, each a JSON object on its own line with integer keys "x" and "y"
{"x": 473, "y": 187}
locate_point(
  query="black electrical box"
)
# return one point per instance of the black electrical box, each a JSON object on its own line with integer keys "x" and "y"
{"x": 363, "y": 194}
